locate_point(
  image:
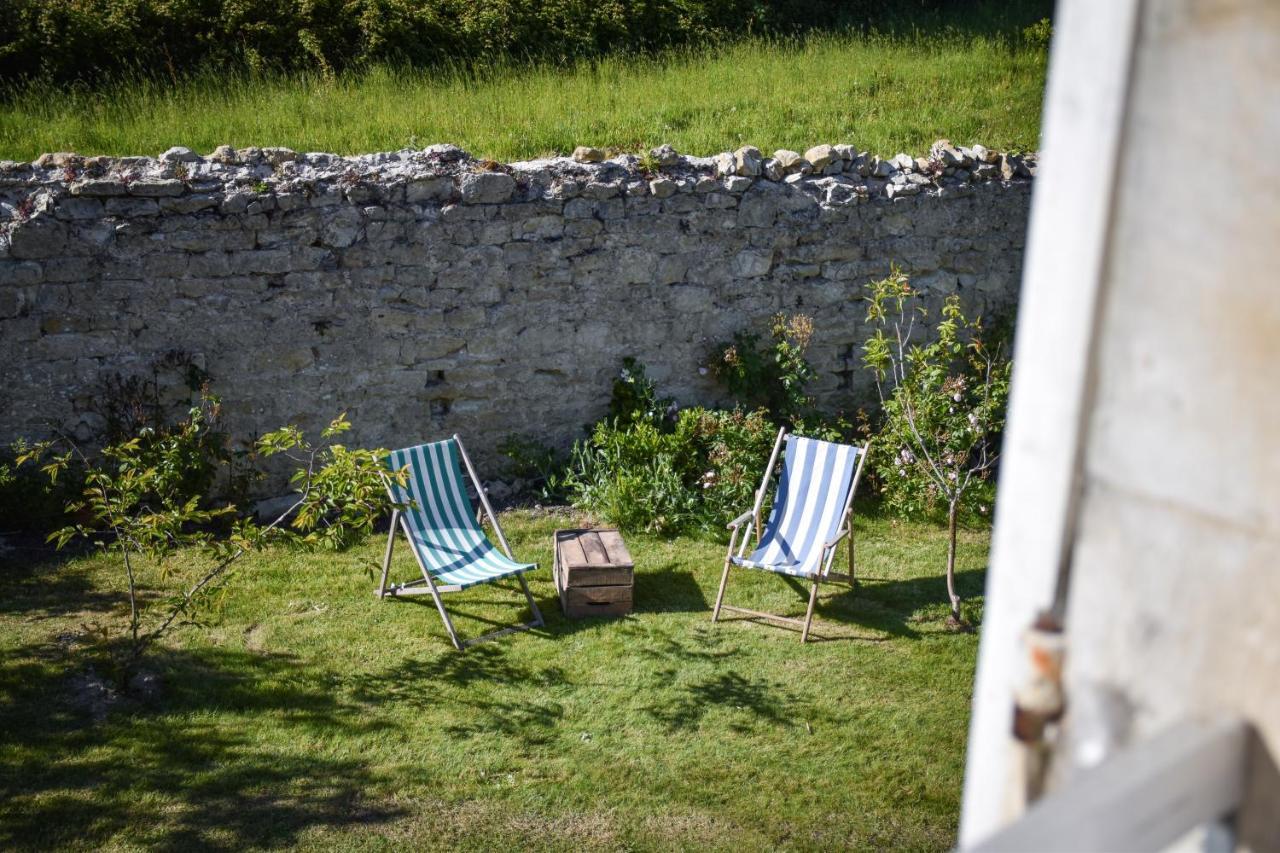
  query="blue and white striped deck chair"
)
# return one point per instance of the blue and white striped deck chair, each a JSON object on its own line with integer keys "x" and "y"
{"x": 444, "y": 532}
{"x": 810, "y": 516}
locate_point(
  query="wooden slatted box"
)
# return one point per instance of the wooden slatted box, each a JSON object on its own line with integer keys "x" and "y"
{"x": 593, "y": 573}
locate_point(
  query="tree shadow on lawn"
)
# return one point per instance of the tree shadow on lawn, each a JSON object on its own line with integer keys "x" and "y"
{"x": 418, "y": 683}
{"x": 724, "y": 689}
{"x": 42, "y": 588}
{"x": 168, "y": 774}
{"x": 885, "y": 606}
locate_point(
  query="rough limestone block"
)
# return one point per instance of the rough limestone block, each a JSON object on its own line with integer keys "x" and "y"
{"x": 178, "y": 154}
{"x": 587, "y": 154}
{"x": 156, "y": 187}
{"x": 486, "y": 187}
{"x": 663, "y": 187}
{"x": 99, "y": 187}
{"x": 39, "y": 237}
{"x": 748, "y": 161}
{"x": 820, "y": 156}
{"x": 751, "y": 264}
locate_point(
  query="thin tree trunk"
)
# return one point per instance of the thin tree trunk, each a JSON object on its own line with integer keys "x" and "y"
{"x": 952, "y": 512}
{"x": 133, "y": 597}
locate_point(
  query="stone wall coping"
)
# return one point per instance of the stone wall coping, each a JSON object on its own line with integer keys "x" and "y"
{"x": 835, "y": 175}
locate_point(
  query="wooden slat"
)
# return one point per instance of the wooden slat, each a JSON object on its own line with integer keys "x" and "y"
{"x": 589, "y": 576}
{"x": 756, "y": 613}
{"x": 597, "y": 601}
{"x": 616, "y": 548}
{"x": 570, "y": 549}
{"x": 593, "y": 548}
{"x": 597, "y": 594}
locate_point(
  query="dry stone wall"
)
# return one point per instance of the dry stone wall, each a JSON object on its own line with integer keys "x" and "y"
{"x": 426, "y": 292}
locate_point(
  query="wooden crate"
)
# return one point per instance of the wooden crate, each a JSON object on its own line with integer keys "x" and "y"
{"x": 593, "y": 572}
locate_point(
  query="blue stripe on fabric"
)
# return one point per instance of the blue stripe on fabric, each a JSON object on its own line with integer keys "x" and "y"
{"x": 778, "y": 514}
{"x": 812, "y": 490}
{"x": 799, "y": 494}
{"x": 824, "y": 501}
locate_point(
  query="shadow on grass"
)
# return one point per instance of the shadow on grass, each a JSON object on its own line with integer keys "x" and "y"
{"x": 40, "y": 587}
{"x": 887, "y": 607}
{"x": 755, "y": 697}
{"x": 473, "y": 681}
{"x": 749, "y": 698}
{"x": 189, "y": 782}
{"x": 669, "y": 589}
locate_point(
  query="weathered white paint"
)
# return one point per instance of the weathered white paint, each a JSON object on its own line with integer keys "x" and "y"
{"x": 1175, "y": 584}
{"x": 1174, "y": 575}
{"x": 1065, "y": 251}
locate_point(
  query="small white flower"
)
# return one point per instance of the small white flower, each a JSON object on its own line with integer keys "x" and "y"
{"x": 702, "y": 371}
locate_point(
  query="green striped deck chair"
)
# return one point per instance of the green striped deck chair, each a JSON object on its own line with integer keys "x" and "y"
{"x": 444, "y": 532}
{"x": 809, "y": 518}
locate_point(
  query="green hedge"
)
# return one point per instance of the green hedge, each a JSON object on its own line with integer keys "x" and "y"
{"x": 85, "y": 40}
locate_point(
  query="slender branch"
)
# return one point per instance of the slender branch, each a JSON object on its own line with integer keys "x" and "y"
{"x": 909, "y": 411}
{"x": 217, "y": 570}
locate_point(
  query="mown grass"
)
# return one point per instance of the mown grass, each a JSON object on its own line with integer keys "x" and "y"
{"x": 310, "y": 714}
{"x": 883, "y": 93}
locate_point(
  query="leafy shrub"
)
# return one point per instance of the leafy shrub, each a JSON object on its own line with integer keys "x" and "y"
{"x": 134, "y": 504}
{"x": 635, "y": 398}
{"x": 28, "y": 501}
{"x": 152, "y": 409}
{"x": 735, "y": 446}
{"x": 1038, "y": 34}
{"x": 70, "y": 40}
{"x": 770, "y": 375}
{"x": 635, "y": 476}
{"x": 651, "y": 467}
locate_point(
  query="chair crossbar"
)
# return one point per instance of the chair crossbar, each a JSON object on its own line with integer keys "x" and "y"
{"x": 501, "y": 632}
{"x": 790, "y": 620}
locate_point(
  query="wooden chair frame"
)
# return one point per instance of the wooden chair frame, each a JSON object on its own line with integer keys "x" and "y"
{"x": 751, "y": 518}
{"x": 427, "y": 584}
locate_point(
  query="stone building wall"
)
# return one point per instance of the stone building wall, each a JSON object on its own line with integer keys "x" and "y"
{"x": 426, "y": 292}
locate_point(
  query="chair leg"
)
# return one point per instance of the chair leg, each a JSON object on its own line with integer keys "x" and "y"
{"x": 537, "y": 614}
{"x": 724, "y": 579}
{"x": 386, "y": 559}
{"x": 853, "y": 578}
{"x": 808, "y": 616}
{"x": 444, "y": 614}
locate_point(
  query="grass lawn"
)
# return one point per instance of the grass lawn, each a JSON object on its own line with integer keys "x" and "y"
{"x": 884, "y": 94}
{"x": 310, "y": 714}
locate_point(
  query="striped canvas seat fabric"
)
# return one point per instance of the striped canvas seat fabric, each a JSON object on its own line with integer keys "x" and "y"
{"x": 442, "y": 526}
{"x": 812, "y": 490}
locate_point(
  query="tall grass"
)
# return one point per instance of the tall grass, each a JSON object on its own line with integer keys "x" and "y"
{"x": 881, "y": 93}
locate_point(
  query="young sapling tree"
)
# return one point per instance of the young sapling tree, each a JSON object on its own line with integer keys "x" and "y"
{"x": 943, "y": 393}
{"x": 136, "y": 505}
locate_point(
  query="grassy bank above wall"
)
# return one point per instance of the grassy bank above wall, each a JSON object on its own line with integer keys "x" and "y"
{"x": 882, "y": 94}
